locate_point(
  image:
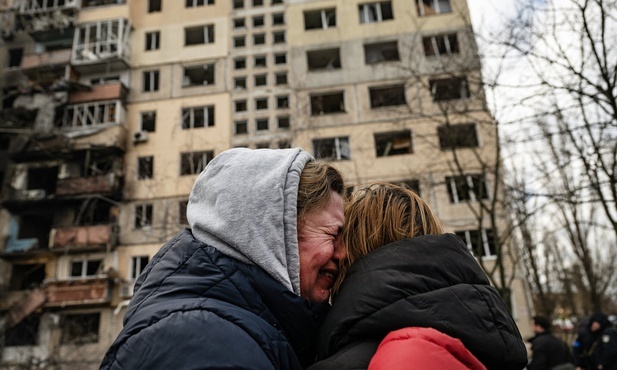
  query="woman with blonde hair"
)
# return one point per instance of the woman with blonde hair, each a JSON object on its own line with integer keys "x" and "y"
{"x": 414, "y": 289}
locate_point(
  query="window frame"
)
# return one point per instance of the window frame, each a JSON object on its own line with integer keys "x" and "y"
{"x": 340, "y": 147}
{"x": 375, "y": 9}
{"x": 192, "y": 163}
{"x": 153, "y": 40}
{"x": 143, "y": 217}
{"x": 324, "y": 20}
{"x": 190, "y": 114}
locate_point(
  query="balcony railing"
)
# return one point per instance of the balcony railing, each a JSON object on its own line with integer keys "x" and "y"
{"x": 77, "y": 292}
{"x": 48, "y": 59}
{"x": 108, "y": 183}
{"x": 79, "y": 238}
{"x": 43, "y": 6}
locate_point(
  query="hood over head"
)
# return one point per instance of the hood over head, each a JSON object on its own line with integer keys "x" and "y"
{"x": 244, "y": 203}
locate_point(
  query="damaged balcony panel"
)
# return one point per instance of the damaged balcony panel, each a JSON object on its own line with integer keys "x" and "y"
{"x": 17, "y": 117}
{"x": 80, "y": 238}
{"x": 89, "y": 291}
{"x": 46, "y": 20}
{"x": 103, "y": 184}
{"x": 46, "y": 68}
{"x": 28, "y": 303}
{"x": 109, "y": 91}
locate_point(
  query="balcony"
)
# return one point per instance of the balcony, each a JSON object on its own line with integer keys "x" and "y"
{"x": 78, "y": 292}
{"x": 46, "y": 60}
{"x": 104, "y": 184}
{"x": 109, "y": 91}
{"x": 91, "y": 51}
{"x": 47, "y": 19}
{"x": 81, "y": 238}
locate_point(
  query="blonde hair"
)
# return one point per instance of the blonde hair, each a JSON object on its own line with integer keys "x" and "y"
{"x": 382, "y": 213}
{"x": 317, "y": 181}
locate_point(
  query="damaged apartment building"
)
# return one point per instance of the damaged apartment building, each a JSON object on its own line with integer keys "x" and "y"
{"x": 111, "y": 109}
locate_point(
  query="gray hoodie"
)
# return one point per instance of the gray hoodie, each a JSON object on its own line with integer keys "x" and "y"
{"x": 244, "y": 204}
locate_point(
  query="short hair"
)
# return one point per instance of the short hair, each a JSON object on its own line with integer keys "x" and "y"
{"x": 382, "y": 213}
{"x": 543, "y": 322}
{"x": 317, "y": 181}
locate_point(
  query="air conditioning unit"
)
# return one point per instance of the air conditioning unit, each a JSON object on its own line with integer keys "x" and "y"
{"x": 126, "y": 289}
{"x": 33, "y": 194}
{"x": 140, "y": 137}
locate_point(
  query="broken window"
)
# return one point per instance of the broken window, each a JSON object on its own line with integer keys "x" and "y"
{"x": 42, "y": 178}
{"x": 375, "y": 12}
{"x": 35, "y": 226}
{"x": 262, "y": 124}
{"x": 26, "y": 276}
{"x": 258, "y": 2}
{"x": 182, "y": 205}
{"x": 283, "y": 122}
{"x": 481, "y": 243}
{"x": 143, "y": 215}
{"x": 278, "y": 19}
{"x": 458, "y": 136}
{"x": 445, "y": 44}
{"x": 153, "y": 40}
{"x": 282, "y": 102}
{"x": 320, "y": 19}
{"x": 194, "y": 162}
{"x": 449, "y": 88}
{"x": 86, "y": 268}
{"x": 258, "y": 21}
{"x": 259, "y": 61}
{"x": 104, "y": 80}
{"x": 15, "y": 56}
{"x": 239, "y": 23}
{"x": 25, "y": 333}
{"x": 91, "y": 3}
{"x": 412, "y": 184}
{"x": 101, "y": 40}
{"x": 195, "y": 117}
{"x": 327, "y": 103}
{"x": 194, "y": 3}
{"x": 198, "y": 75}
{"x": 80, "y": 328}
{"x": 467, "y": 187}
{"x": 154, "y": 6}
{"x": 240, "y": 106}
{"x": 138, "y": 264}
{"x": 199, "y": 35}
{"x": 331, "y": 149}
{"x": 259, "y": 39}
{"x": 381, "y": 52}
{"x": 261, "y": 103}
{"x": 240, "y": 83}
{"x": 151, "y": 81}
{"x": 239, "y": 42}
{"x": 278, "y": 37}
{"x": 261, "y": 80}
{"x": 90, "y": 114}
{"x": 387, "y": 96}
{"x": 240, "y": 63}
{"x": 148, "y": 121}
{"x": 284, "y": 144}
{"x": 281, "y": 78}
{"x": 393, "y": 143}
{"x": 241, "y": 127}
{"x": 145, "y": 168}
{"x": 430, "y": 7}
{"x": 238, "y": 4}
{"x": 323, "y": 59}
{"x": 280, "y": 58}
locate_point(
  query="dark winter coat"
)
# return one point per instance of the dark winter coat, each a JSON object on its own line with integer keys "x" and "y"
{"x": 548, "y": 351}
{"x": 428, "y": 281}
{"x": 598, "y": 347}
{"x": 195, "y": 308}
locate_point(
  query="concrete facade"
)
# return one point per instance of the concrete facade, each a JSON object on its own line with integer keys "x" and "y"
{"x": 150, "y": 91}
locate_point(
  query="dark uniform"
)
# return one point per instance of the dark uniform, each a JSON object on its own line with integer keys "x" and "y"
{"x": 598, "y": 349}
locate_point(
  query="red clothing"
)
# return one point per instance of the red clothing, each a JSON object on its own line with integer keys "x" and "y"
{"x": 423, "y": 348}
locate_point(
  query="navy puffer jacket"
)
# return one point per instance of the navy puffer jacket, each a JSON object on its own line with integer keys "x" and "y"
{"x": 193, "y": 307}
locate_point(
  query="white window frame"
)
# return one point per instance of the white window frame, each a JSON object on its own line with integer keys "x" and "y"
{"x": 153, "y": 77}
{"x": 435, "y": 6}
{"x": 84, "y": 267}
{"x": 144, "y": 207}
{"x": 486, "y": 250}
{"x": 155, "y": 39}
{"x": 324, "y": 18}
{"x": 87, "y": 115}
{"x": 136, "y": 261}
{"x": 365, "y": 12}
{"x": 189, "y": 112}
{"x": 104, "y": 43}
{"x": 341, "y": 146}
{"x": 470, "y": 185}
{"x": 446, "y": 40}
